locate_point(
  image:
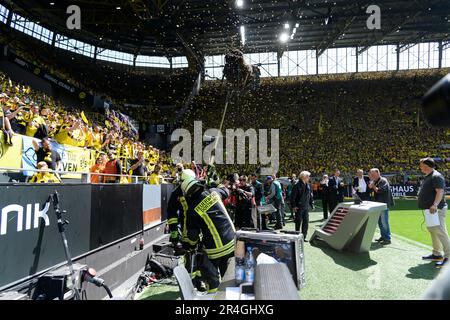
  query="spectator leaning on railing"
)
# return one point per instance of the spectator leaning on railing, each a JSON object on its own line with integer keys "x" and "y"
{"x": 156, "y": 177}
{"x": 98, "y": 167}
{"x": 138, "y": 166}
{"x": 112, "y": 167}
{"x": 43, "y": 175}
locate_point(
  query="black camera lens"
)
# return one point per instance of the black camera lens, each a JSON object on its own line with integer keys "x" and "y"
{"x": 436, "y": 103}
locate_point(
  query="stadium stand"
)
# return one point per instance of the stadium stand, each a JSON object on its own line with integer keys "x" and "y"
{"x": 138, "y": 70}
{"x": 335, "y": 121}
{"x": 70, "y": 126}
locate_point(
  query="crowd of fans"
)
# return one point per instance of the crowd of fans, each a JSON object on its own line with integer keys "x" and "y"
{"x": 334, "y": 121}
{"x": 111, "y": 137}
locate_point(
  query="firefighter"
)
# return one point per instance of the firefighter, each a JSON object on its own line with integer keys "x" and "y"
{"x": 209, "y": 225}
{"x": 196, "y": 261}
{"x": 176, "y": 210}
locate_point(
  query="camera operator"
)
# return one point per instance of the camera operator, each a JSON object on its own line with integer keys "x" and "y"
{"x": 244, "y": 203}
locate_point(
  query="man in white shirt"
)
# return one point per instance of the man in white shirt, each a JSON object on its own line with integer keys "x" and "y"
{"x": 360, "y": 185}
{"x": 325, "y": 191}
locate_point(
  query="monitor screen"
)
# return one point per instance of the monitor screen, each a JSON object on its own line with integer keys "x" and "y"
{"x": 283, "y": 252}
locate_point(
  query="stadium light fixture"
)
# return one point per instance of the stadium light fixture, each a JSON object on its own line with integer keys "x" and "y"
{"x": 297, "y": 25}
{"x": 284, "y": 37}
{"x": 243, "y": 35}
{"x": 286, "y": 25}
{"x": 239, "y": 3}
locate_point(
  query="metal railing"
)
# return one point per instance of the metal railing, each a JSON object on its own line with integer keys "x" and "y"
{"x": 85, "y": 177}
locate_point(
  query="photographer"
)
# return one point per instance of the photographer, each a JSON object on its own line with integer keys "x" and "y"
{"x": 244, "y": 202}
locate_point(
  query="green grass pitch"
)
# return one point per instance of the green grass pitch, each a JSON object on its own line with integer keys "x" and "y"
{"x": 408, "y": 221}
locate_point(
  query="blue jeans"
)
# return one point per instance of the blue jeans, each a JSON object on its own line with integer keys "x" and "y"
{"x": 383, "y": 224}
{"x": 279, "y": 213}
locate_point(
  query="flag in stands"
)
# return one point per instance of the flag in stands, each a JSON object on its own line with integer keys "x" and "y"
{"x": 320, "y": 125}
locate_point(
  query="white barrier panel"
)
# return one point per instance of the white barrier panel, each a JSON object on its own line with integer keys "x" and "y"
{"x": 151, "y": 205}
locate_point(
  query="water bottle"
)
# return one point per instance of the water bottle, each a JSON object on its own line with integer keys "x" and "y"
{"x": 240, "y": 271}
{"x": 250, "y": 267}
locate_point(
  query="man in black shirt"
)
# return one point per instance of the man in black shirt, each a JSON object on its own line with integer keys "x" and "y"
{"x": 302, "y": 199}
{"x": 259, "y": 195}
{"x": 138, "y": 167}
{"x": 244, "y": 197}
{"x": 432, "y": 197}
{"x": 335, "y": 190}
{"x": 47, "y": 154}
{"x": 382, "y": 193}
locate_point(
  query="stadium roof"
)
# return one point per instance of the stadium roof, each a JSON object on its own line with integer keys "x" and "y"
{"x": 208, "y": 27}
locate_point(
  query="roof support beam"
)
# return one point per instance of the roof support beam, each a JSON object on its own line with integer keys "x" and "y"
{"x": 396, "y": 27}
{"x": 411, "y": 41}
{"x": 445, "y": 45}
{"x": 324, "y": 45}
